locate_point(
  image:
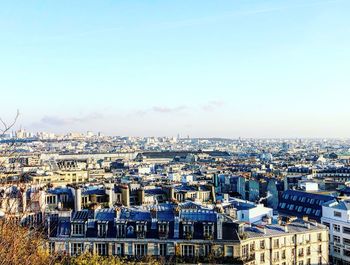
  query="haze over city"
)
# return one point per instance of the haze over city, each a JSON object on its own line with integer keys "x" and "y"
{"x": 162, "y": 68}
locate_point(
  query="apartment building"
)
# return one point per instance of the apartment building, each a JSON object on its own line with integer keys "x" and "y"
{"x": 336, "y": 215}
{"x": 299, "y": 242}
{"x": 187, "y": 234}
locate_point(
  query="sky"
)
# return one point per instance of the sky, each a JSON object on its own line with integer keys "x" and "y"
{"x": 203, "y": 68}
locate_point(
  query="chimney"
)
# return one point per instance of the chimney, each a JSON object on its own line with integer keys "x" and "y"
{"x": 141, "y": 196}
{"x": 171, "y": 191}
{"x": 118, "y": 212}
{"x": 154, "y": 219}
{"x": 77, "y": 199}
{"x": 125, "y": 195}
{"x": 219, "y": 226}
{"x": 176, "y": 222}
{"x": 213, "y": 194}
{"x": 286, "y": 229}
{"x": 109, "y": 192}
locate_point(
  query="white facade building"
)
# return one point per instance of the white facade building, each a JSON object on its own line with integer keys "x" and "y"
{"x": 336, "y": 215}
{"x": 250, "y": 212}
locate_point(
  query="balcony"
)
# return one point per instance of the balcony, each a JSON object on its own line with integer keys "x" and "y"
{"x": 140, "y": 234}
{"x": 188, "y": 235}
{"x": 163, "y": 235}
{"x": 208, "y": 236}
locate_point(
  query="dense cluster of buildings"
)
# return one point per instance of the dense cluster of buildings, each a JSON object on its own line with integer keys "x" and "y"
{"x": 243, "y": 201}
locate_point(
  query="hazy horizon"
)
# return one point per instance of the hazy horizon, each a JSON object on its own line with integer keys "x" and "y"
{"x": 228, "y": 69}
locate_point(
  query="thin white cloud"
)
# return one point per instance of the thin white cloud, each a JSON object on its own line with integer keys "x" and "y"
{"x": 59, "y": 121}
{"x": 161, "y": 110}
{"x": 212, "y": 105}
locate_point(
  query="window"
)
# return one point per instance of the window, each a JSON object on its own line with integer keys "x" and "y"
{"x": 283, "y": 242}
{"x": 276, "y": 243}
{"x": 52, "y": 247}
{"x": 188, "y": 250}
{"x": 162, "y": 228}
{"x": 301, "y": 262}
{"x": 346, "y": 230}
{"x": 78, "y": 229}
{"x": 336, "y": 227}
{"x": 262, "y": 244}
{"x": 308, "y": 262}
{"x": 262, "y": 257}
{"x": 162, "y": 250}
{"x": 51, "y": 199}
{"x": 208, "y": 230}
{"x": 64, "y": 198}
{"x": 102, "y": 230}
{"x": 301, "y": 252}
{"x": 346, "y": 253}
{"x": 319, "y": 249}
{"x": 300, "y": 239}
{"x": 119, "y": 250}
{"x": 206, "y": 250}
{"x": 327, "y": 224}
{"x": 140, "y": 250}
{"x": 336, "y": 239}
{"x": 346, "y": 241}
{"x": 308, "y": 251}
{"x": 307, "y": 238}
{"x": 120, "y": 230}
{"x": 245, "y": 251}
{"x": 229, "y": 251}
{"x": 84, "y": 200}
{"x": 283, "y": 254}
{"x": 276, "y": 256}
{"x": 141, "y": 230}
{"x": 337, "y": 214}
{"x": 319, "y": 236}
{"x": 101, "y": 249}
{"x": 336, "y": 249}
{"x": 76, "y": 249}
{"x": 187, "y": 229}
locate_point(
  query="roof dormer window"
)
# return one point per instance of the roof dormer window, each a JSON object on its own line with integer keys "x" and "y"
{"x": 78, "y": 229}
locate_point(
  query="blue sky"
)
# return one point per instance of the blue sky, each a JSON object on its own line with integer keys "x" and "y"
{"x": 199, "y": 68}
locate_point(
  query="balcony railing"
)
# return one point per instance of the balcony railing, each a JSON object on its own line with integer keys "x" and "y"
{"x": 208, "y": 236}
{"x": 188, "y": 235}
{"x": 140, "y": 234}
{"x": 163, "y": 235}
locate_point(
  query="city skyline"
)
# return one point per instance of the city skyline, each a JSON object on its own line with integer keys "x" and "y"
{"x": 229, "y": 69}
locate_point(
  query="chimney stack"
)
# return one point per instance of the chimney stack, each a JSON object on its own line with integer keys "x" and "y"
{"x": 77, "y": 199}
